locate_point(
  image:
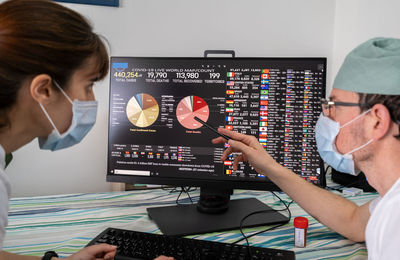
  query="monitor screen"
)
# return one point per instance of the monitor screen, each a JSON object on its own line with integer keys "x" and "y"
{"x": 154, "y": 138}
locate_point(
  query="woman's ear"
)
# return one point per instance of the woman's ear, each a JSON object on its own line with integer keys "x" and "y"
{"x": 381, "y": 121}
{"x": 41, "y": 89}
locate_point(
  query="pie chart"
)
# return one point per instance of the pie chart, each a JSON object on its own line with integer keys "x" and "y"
{"x": 142, "y": 110}
{"x": 188, "y": 108}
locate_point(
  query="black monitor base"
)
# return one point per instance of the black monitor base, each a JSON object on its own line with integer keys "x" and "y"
{"x": 183, "y": 220}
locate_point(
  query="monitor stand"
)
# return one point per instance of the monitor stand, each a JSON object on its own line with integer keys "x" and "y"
{"x": 214, "y": 212}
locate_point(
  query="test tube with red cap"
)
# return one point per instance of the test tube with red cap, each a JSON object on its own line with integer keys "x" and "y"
{"x": 300, "y": 231}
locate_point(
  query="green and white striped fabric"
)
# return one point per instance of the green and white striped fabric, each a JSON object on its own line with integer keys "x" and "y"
{"x": 66, "y": 223}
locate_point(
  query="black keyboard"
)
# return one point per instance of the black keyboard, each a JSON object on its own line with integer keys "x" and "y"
{"x": 139, "y": 245}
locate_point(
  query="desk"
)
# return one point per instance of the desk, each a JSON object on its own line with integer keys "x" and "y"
{"x": 66, "y": 223}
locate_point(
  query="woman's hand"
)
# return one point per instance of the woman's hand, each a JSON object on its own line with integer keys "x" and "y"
{"x": 95, "y": 252}
{"x": 102, "y": 251}
{"x": 250, "y": 151}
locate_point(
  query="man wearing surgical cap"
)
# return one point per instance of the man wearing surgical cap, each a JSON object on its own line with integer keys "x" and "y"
{"x": 358, "y": 130}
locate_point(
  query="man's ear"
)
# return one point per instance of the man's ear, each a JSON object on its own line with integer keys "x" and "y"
{"x": 41, "y": 89}
{"x": 381, "y": 121}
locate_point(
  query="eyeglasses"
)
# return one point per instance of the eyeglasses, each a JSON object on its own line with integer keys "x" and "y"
{"x": 328, "y": 106}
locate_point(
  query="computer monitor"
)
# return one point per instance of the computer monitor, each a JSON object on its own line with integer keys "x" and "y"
{"x": 154, "y": 138}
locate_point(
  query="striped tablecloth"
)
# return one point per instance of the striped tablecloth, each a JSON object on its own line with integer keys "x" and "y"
{"x": 66, "y": 223}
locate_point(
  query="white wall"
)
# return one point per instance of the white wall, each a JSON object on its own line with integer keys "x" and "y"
{"x": 359, "y": 20}
{"x": 173, "y": 28}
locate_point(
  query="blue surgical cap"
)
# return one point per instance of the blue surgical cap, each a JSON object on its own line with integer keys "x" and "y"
{"x": 373, "y": 68}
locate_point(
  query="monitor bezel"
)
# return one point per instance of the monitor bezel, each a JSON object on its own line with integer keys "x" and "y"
{"x": 195, "y": 182}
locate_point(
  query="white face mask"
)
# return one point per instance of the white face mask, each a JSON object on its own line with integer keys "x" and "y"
{"x": 326, "y": 131}
{"x": 83, "y": 119}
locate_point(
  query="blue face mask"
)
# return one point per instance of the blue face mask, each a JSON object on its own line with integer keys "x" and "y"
{"x": 83, "y": 119}
{"x": 326, "y": 131}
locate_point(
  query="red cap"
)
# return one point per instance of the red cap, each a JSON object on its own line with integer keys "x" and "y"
{"x": 300, "y": 222}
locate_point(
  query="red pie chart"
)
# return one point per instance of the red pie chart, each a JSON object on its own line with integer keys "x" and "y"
{"x": 188, "y": 108}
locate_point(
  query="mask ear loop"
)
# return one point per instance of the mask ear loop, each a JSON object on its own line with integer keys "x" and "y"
{"x": 354, "y": 119}
{"x": 47, "y": 114}
{"x": 62, "y": 91}
{"x": 361, "y": 147}
{"x": 48, "y": 117}
{"x": 367, "y": 143}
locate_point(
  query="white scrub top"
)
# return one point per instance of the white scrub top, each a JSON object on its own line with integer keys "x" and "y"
{"x": 5, "y": 191}
{"x": 383, "y": 228}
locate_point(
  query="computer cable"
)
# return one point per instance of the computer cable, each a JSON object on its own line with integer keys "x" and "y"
{"x": 176, "y": 189}
{"x": 170, "y": 189}
{"x": 181, "y": 190}
{"x": 266, "y": 230}
{"x": 186, "y": 190}
{"x": 264, "y": 211}
{"x": 327, "y": 168}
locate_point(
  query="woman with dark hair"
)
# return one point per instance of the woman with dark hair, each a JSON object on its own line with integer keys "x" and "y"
{"x": 49, "y": 61}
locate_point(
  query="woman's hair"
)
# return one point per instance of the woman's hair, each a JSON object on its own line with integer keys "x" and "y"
{"x": 391, "y": 102}
{"x": 42, "y": 37}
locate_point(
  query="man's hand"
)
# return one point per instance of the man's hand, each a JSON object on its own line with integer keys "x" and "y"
{"x": 250, "y": 150}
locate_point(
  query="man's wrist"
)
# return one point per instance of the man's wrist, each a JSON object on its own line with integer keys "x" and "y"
{"x": 49, "y": 255}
